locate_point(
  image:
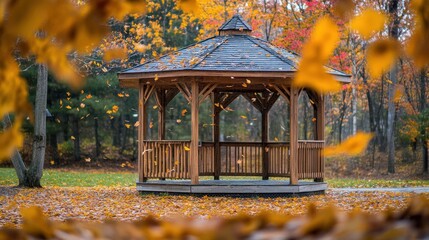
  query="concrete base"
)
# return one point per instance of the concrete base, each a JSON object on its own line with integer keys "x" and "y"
{"x": 231, "y": 187}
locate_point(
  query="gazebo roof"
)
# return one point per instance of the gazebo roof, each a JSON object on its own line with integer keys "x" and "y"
{"x": 233, "y": 51}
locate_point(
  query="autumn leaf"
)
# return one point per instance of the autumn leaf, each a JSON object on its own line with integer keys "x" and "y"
{"x": 344, "y": 8}
{"x": 352, "y": 146}
{"x": 115, "y": 53}
{"x": 183, "y": 113}
{"x": 417, "y": 46}
{"x": 72, "y": 138}
{"x": 368, "y": 22}
{"x": 381, "y": 55}
{"x": 186, "y": 148}
{"x": 136, "y": 124}
{"x": 127, "y": 125}
{"x": 35, "y": 222}
{"x": 115, "y": 109}
{"x": 316, "y": 52}
{"x": 189, "y": 6}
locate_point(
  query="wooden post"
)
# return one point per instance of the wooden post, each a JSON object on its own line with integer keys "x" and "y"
{"x": 293, "y": 136}
{"x": 194, "y": 132}
{"x": 141, "y": 131}
{"x": 320, "y": 126}
{"x": 161, "y": 115}
{"x": 216, "y": 133}
{"x": 264, "y": 144}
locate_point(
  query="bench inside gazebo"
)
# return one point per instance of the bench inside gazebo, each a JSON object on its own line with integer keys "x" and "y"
{"x": 221, "y": 69}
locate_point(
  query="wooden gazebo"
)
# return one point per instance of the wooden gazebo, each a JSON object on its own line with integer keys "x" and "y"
{"x": 219, "y": 68}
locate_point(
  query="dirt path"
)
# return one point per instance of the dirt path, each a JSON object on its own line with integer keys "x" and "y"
{"x": 398, "y": 190}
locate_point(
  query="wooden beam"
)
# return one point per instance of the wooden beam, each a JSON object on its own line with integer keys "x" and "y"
{"x": 160, "y": 99}
{"x": 184, "y": 90}
{"x": 320, "y": 129}
{"x": 255, "y": 100}
{"x": 216, "y": 134}
{"x": 194, "y": 132}
{"x": 265, "y": 162}
{"x": 208, "y": 89}
{"x": 227, "y": 98}
{"x": 293, "y": 136}
{"x": 282, "y": 90}
{"x": 170, "y": 94}
{"x": 141, "y": 132}
{"x": 271, "y": 100}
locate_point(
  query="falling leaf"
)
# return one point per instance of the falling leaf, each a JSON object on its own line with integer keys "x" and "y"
{"x": 244, "y": 85}
{"x": 352, "y": 146}
{"x": 72, "y": 138}
{"x": 121, "y": 95}
{"x": 127, "y": 125}
{"x": 82, "y": 105}
{"x": 88, "y": 159}
{"x": 316, "y": 52}
{"x": 52, "y": 162}
{"x": 368, "y": 22}
{"x": 156, "y": 77}
{"x": 179, "y": 120}
{"x": 186, "y": 148}
{"x": 115, "y": 53}
{"x": 89, "y": 96}
{"x": 151, "y": 124}
{"x": 36, "y": 223}
{"x": 344, "y": 8}
{"x": 115, "y": 109}
{"x": 381, "y": 55}
{"x": 276, "y": 139}
{"x": 243, "y": 117}
{"x": 136, "y": 124}
{"x": 313, "y": 119}
{"x": 68, "y": 107}
{"x": 189, "y": 6}
{"x": 183, "y": 113}
{"x": 155, "y": 106}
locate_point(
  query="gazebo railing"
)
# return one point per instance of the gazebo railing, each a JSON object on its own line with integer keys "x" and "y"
{"x": 310, "y": 159}
{"x": 171, "y": 159}
{"x": 166, "y": 159}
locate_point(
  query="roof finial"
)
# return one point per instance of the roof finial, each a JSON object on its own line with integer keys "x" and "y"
{"x": 235, "y": 26}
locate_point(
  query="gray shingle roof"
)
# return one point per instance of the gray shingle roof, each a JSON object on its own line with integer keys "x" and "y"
{"x": 232, "y": 53}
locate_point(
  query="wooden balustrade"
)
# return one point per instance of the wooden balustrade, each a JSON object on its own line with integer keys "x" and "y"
{"x": 206, "y": 159}
{"x": 278, "y": 159}
{"x": 166, "y": 159}
{"x": 170, "y": 159}
{"x": 310, "y": 159}
{"x": 241, "y": 158}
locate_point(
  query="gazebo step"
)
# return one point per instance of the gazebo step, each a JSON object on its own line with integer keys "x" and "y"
{"x": 231, "y": 187}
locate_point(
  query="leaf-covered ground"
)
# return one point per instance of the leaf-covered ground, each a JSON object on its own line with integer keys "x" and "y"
{"x": 125, "y": 203}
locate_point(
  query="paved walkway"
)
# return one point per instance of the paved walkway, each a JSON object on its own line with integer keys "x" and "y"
{"x": 404, "y": 189}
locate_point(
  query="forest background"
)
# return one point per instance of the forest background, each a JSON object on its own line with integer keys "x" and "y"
{"x": 97, "y": 126}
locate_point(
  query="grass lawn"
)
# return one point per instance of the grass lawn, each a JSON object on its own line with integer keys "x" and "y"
{"x": 70, "y": 178}
{"x": 65, "y": 178}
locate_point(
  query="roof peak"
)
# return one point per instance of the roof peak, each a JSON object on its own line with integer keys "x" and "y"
{"x": 235, "y": 25}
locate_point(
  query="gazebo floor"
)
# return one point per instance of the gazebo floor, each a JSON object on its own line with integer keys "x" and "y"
{"x": 232, "y": 187}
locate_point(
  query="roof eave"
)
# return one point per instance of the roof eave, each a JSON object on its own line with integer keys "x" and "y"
{"x": 345, "y": 79}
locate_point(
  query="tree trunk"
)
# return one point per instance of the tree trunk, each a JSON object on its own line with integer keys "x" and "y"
{"x": 35, "y": 171}
{"x": 76, "y": 141}
{"x": 16, "y": 158}
{"x": 97, "y": 138}
{"x": 422, "y": 107}
{"x": 394, "y": 33}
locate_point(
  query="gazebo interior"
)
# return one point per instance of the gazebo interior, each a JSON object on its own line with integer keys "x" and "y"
{"x": 209, "y": 76}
